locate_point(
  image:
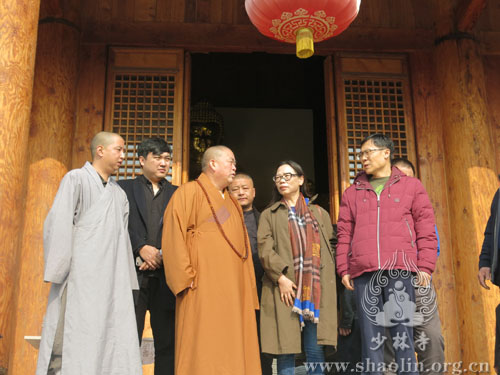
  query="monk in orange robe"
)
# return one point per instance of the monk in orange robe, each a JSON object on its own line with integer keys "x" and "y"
{"x": 208, "y": 266}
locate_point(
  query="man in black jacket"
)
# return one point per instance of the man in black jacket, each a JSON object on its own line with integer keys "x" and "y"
{"x": 488, "y": 264}
{"x": 243, "y": 191}
{"x": 488, "y": 259}
{"x": 148, "y": 196}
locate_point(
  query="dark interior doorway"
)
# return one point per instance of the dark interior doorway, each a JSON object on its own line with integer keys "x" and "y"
{"x": 273, "y": 108}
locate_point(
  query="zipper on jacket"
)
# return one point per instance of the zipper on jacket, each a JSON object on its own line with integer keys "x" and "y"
{"x": 378, "y": 220}
{"x": 378, "y": 228}
{"x": 378, "y": 215}
{"x": 411, "y": 233}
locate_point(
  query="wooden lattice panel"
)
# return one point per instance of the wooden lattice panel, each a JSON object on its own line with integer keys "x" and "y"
{"x": 145, "y": 98}
{"x": 143, "y": 107}
{"x": 374, "y": 106}
{"x": 372, "y": 96}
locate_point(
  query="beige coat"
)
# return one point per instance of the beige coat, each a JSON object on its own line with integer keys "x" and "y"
{"x": 279, "y": 327}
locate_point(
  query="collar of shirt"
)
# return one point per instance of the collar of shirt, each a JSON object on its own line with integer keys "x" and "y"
{"x": 161, "y": 183}
{"x": 104, "y": 182}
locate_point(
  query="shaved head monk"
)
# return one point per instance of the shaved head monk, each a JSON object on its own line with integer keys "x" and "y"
{"x": 89, "y": 327}
{"x": 208, "y": 266}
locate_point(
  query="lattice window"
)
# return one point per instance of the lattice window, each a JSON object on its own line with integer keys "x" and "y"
{"x": 143, "y": 107}
{"x": 372, "y": 97}
{"x": 145, "y": 98}
{"x": 374, "y": 106}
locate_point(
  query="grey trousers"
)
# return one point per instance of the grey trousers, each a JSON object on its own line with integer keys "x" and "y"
{"x": 429, "y": 342}
{"x": 55, "y": 363}
{"x": 378, "y": 292}
{"x": 433, "y": 352}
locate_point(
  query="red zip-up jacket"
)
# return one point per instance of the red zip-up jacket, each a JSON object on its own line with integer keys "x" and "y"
{"x": 394, "y": 231}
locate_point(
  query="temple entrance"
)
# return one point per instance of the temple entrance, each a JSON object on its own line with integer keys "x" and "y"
{"x": 266, "y": 108}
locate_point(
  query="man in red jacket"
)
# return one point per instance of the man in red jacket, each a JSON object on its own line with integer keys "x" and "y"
{"x": 387, "y": 246}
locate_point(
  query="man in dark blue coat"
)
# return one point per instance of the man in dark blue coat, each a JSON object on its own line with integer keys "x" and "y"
{"x": 243, "y": 190}
{"x": 488, "y": 263}
{"x": 488, "y": 259}
{"x": 148, "y": 196}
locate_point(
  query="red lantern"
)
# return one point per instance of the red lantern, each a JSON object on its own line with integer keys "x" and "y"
{"x": 302, "y": 21}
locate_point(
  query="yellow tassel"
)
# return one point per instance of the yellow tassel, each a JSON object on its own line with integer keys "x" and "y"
{"x": 305, "y": 43}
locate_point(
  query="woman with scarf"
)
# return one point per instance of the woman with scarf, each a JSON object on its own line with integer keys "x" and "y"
{"x": 296, "y": 247}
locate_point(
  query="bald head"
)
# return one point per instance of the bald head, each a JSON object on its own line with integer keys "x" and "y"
{"x": 103, "y": 139}
{"x": 213, "y": 153}
{"x": 242, "y": 189}
{"x": 219, "y": 165}
{"x": 243, "y": 176}
{"x": 405, "y": 166}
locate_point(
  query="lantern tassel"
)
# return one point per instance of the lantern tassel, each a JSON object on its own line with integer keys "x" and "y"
{"x": 305, "y": 43}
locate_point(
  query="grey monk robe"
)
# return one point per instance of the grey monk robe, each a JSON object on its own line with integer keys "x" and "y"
{"x": 87, "y": 250}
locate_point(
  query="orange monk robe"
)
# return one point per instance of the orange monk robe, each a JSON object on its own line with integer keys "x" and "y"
{"x": 215, "y": 328}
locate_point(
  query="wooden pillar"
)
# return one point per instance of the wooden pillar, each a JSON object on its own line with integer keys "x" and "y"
{"x": 470, "y": 177}
{"x": 90, "y": 100}
{"x": 49, "y": 158}
{"x": 18, "y": 32}
{"x": 432, "y": 173}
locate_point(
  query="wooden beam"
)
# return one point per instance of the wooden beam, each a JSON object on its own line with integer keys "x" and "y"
{"x": 468, "y": 13}
{"x": 246, "y": 38}
{"x": 472, "y": 181}
{"x": 49, "y": 158}
{"x": 18, "y": 39}
{"x": 186, "y": 121}
{"x": 331, "y": 133}
{"x": 432, "y": 172}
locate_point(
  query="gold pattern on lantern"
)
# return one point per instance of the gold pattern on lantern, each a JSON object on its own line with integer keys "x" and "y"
{"x": 319, "y": 23}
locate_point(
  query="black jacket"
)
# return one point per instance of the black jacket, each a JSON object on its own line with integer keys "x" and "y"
{"x": 259, "y": 271}
{"x": 489, "y": 256}
{"x": 137, "y": 226}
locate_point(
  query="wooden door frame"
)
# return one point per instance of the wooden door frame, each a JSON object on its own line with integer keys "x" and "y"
{"x": 331, "y": 136}
{"x": 186, "y": 121}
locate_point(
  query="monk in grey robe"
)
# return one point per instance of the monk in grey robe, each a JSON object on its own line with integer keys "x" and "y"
{"x": 89, "y": 327}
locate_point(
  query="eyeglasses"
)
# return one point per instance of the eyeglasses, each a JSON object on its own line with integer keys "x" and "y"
{"x": 286, "y": 177}
{"x": 367, "y": 153}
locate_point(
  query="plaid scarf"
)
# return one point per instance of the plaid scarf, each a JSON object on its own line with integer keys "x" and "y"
{"x": 305, "y": 241}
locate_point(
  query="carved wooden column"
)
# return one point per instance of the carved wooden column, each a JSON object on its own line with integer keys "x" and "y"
{"x": 18, "y": 33}
{"x": 49, "y": 158}
{"x": 470, "y": 176}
